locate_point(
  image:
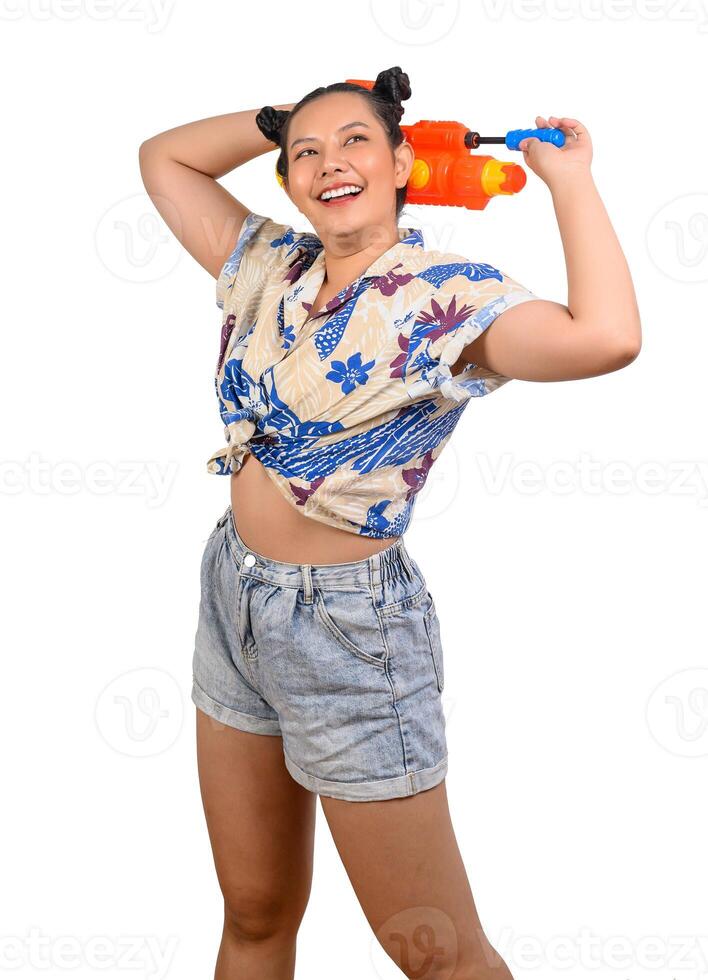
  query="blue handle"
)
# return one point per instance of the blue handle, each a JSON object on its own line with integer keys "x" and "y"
{"x": 548, "y": 135}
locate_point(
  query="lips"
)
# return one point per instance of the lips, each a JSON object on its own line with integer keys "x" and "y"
{"x": 341, "y": 200}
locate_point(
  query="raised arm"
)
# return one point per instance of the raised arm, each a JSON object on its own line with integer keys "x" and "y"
{"x": 599, "y": 331}
{"x": 180, "y": 169}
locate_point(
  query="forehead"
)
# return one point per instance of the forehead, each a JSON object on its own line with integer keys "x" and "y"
{"x": 323, "y": 116}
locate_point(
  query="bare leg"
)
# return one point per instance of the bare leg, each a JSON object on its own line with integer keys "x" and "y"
{"x": 261, "y": 826}
{"x": 403, "y": 861}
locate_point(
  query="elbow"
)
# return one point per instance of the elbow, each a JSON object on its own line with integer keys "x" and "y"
{"x": 628, "y": 353}
{"x": 626, "y": 343}
{"x": 142, "y": 154}
{"x": 147, "y": 149}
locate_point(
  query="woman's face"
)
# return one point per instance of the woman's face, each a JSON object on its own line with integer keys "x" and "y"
{"x": 337, "y": 139}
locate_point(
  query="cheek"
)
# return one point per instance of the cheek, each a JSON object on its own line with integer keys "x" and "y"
{"x": 377, "y": 170}
{"x": 300, "y": 183}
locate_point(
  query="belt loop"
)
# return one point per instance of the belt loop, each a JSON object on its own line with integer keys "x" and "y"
{"x": 307, "y": 581}
{"x": 375, "y": 576}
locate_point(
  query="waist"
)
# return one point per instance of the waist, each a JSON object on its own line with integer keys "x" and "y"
{"x": 271, "y": 526}
{"x": 364, "y": 574}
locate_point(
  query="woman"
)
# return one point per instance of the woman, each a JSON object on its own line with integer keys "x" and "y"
{"x": 346, "y": 359}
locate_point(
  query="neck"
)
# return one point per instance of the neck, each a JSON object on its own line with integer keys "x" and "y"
{"x": 347, "y": 257}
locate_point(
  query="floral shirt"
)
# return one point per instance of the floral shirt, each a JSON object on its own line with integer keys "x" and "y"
{"x": 349, "y": 406}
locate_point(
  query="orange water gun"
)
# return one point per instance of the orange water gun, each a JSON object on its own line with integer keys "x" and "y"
{"x": 445, "y": 171}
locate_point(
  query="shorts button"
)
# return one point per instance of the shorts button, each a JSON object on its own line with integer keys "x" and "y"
{"x": 249, "y": 560}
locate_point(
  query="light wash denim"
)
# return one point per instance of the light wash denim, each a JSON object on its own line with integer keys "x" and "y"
{"x": 344, "y": 661}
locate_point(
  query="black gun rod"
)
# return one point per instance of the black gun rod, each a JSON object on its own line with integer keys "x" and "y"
{"x": 473, "y": 139}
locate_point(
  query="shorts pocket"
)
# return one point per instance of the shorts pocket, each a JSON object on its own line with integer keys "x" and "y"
{"x": 432, "y": 626}
{"x": 351, "y": 619}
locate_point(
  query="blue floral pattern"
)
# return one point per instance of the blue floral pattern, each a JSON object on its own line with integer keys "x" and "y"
{"x": 351, "y": 374}
{"x": 349, "y": 406}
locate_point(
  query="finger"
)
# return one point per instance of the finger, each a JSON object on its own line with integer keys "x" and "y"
{"x": 524, "y": 143}
{"x": 563, "y": 125}
{"x": 541, "y": 123}
{"x": 573, "y": 124}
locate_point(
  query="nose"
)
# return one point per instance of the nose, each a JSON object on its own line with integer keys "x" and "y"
{"x": 328, "y": 168}
{"x": 332, "y": 159}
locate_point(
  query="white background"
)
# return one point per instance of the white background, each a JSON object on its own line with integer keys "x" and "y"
{"x": 562, "y": 533}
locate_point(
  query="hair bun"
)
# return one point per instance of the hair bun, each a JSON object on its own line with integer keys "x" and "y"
{"x": 393, "y": 85}
{"x": 270, "y": 121}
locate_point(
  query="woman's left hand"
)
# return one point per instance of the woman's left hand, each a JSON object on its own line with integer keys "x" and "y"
{"x": 552, "y": 163}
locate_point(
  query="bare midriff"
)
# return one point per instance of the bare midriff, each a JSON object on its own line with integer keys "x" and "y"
{"x": 272, "y": 527}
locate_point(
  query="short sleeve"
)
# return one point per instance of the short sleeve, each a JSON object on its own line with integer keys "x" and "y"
{"x": 464, "y": 305}
{"x": 268, "y": 246}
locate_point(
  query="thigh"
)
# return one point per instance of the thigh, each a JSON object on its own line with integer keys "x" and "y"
{"x": 405, "y": 866}
{"x": 261, "y": 824}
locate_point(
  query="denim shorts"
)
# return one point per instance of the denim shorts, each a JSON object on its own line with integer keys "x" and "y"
{"x": 343, "y": 661}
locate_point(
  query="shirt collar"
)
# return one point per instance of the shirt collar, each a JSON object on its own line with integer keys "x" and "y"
{"x": 409, "y": 240}
{"x": 396, "y": 260}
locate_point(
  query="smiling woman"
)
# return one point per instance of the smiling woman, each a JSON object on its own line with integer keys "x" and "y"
{"x": 347, "y": 356}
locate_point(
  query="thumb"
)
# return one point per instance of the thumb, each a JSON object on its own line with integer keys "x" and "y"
{"x": 524, "y": 143}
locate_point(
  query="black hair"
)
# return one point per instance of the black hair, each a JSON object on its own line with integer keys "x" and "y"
{"x": 390, "y": 89}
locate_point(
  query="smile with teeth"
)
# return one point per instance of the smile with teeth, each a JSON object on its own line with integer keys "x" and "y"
{"x": 348, "y": 189}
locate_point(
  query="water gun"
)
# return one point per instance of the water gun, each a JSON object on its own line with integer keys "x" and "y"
{"x": 445, "y": 171}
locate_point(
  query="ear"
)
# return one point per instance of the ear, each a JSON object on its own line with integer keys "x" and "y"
{"x": 286, "y": 191}
{"x": 404, "y": 157}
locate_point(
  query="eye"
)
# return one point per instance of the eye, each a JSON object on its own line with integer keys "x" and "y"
{"x": 355, "y": 136}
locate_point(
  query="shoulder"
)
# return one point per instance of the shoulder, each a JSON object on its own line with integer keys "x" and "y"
{"x": 453, "y": 276}
{"x": 265, "y": 249}
{"x": 273, "y": 242}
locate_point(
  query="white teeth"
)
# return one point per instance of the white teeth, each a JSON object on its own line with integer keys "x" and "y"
{"x": 340, "y": 192}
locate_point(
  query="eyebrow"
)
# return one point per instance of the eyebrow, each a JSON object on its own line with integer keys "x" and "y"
{"x": 304, "y": 139}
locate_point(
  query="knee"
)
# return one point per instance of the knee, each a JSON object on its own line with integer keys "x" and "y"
{"x": 259, "y": 918}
